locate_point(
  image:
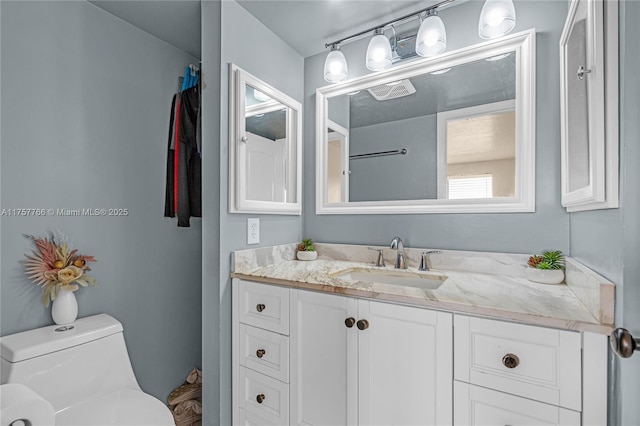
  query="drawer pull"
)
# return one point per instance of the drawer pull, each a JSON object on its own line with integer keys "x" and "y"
{"x": 510, "y": 360}
{"x": 260, "y": 307}
{"x": 363, "y": 324}
{"x": 260, "y": 398}
{"x": 350, "y": 322}
{"x": 260, "y": 353}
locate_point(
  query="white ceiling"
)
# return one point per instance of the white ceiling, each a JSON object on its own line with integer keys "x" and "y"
{"x": 306, "y": 25}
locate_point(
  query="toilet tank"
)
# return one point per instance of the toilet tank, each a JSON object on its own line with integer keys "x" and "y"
{"x": 67, "y": 364}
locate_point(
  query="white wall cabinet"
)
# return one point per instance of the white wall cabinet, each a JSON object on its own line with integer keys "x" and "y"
{"x": 310, "y": 358}
{"x": 589, "y": 106}
{"x": 368, "y": 363}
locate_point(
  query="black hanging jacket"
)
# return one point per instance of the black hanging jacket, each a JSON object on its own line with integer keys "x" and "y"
{"x": 183, "y": 195}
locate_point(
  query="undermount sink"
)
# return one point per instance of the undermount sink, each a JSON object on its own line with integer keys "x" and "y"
{"x": 395, "y": 277}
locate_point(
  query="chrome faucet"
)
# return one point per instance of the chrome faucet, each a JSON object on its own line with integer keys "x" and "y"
{"x": 423, "y": 260}
{"x": 396, "y": 244}
{"x": 380, "y": 259}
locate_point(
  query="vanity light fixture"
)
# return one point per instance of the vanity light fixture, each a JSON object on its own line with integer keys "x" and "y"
{"x": 335, "y": 66}
{"x": 379, "y": 52}
{"x": 432, "y": 36}
{"x": 498, "y": 17}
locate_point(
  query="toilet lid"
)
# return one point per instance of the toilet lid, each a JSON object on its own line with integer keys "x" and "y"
{"x": 123, "y": 407}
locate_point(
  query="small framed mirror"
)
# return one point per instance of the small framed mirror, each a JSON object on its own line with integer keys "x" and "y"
{"x": 453, "y": 133}
{"x": 265, "y": 139}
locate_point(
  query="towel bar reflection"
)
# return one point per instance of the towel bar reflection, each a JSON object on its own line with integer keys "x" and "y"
{"x": 402, "y": 151}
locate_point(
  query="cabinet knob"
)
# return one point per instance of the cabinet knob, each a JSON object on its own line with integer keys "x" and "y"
{"x": 363, "y": 324}
{"x": 623, "y": 343}
{"x": 260, "y": 307}
{"x": 260, "y": 353}
{"x": 510, "y": 360}
{"x": 260, "y": 398}
{"x": 349, "y": 322}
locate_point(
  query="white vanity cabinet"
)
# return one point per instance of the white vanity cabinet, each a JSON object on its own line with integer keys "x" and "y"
{"x": 303, "y": 357}
{"x": 260, "y": 354}
{"x": 516, "y": 374}
{"x": 368, "y": 363}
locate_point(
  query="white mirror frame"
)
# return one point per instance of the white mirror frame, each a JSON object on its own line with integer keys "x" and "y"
{"x": 238, "y": 202}
{"x": 523, "y": 44}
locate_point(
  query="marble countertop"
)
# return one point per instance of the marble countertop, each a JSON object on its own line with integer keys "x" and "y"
{"x": 502, "y": 296}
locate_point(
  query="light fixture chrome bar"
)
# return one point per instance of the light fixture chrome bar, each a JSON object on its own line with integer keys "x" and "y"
{"x": 369, "y": 30}
{"x": 402, "y": 151}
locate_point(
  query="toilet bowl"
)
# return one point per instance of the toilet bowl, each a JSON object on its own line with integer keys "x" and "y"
{"x": 82, "y": 370}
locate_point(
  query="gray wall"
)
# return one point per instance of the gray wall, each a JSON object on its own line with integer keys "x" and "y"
{"x": 399, "y": 177}
{"x": 212, "y": 191}
{"x": 85, "y": 106}
{"x": 609, "y": 240}
{"x": 524, "y": 232}
{"x": 247, "y": 43}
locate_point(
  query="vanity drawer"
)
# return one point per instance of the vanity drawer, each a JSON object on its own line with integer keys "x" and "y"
{"x": 249, "y": 419}
{"x": 475, "y": 405}
{"x": 534, "y": 362}
{"x": 265, "y": 352}
{"x": 263, "y": 397}
{"x": 264, "y": 306}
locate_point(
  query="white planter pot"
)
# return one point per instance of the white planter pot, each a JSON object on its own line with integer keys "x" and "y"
{"x": 545, "y": 276}
{"x": 64, "y": 309}
{"x": 307, "y": 255}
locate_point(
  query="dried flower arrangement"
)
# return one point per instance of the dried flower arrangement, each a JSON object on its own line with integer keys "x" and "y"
{"x": 54, "y": 266}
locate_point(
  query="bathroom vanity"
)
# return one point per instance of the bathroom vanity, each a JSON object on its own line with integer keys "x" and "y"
{"x": 325, "y": 342}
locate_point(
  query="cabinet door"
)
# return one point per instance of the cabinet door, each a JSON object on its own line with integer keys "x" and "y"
{"x": 588, "y": 60}
{"x": 323, "y": 359}
{"x": 405, "y": 365}
{"x": 475, "y": 405}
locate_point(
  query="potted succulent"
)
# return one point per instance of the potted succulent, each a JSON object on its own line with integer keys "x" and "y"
{"x": 306, "y": 250}
{"x": 546, "y": 268}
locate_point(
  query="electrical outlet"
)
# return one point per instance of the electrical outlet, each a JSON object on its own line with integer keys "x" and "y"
{"x": 253, "y": 230}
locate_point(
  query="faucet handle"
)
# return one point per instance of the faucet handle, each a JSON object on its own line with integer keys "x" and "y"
{"x": 423, "y": 260}
{"x": 380, "y": 259}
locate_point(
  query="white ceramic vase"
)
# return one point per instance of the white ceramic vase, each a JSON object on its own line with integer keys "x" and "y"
{"x": 64, "y": 309}
{"x": 307, "y": 255}
{"x": 545, "y": 276}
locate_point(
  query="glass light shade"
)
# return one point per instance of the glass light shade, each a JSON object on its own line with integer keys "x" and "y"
{"x": 432, "y": 37}
{"x": 379, "y": 53}
{"x": 260, "y": 96}
{"x": 498, "y": 17}
{"x": 335, "y": 67}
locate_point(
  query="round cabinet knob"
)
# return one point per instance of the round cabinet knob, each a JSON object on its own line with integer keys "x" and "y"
{"x": 260, "y": 398}
{"x": 623, "y": 343}
{"x": 350, "y": 322}
{"x": 260, "y": 353}
{"x": 260, "y": 307}
{"x": 363, "y": 324}
{"x": 510, "y": 360}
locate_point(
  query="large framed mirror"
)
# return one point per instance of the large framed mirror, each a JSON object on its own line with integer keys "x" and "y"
{"x": 449, "y": 134}
{"x": 265, "y": 154}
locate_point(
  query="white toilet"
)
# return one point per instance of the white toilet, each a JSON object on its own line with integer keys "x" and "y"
{"x": 84, "y": 373}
